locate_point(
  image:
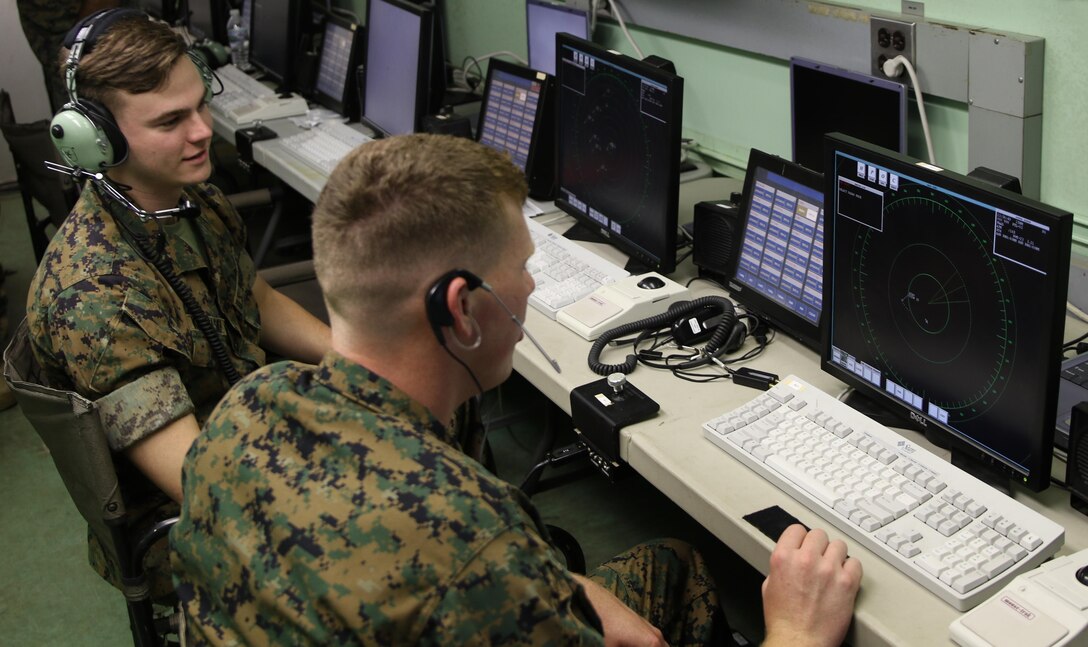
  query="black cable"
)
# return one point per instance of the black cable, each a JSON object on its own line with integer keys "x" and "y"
{"x": 715, "y": 345}
{"x": 162, "y": 263}
{"x": 153, "y": 254}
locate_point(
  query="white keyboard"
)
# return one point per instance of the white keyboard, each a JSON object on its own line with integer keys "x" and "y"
{"x": 955, "y": 535}
{"x": 324, "y": 145}
{"x": 235, "y": 81}
{"x": 565, "y": 271}
{"x": 245, "y": 99}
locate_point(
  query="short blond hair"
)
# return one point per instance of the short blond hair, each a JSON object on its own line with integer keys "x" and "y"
{"x": 135, "y": 54}
{"x": 397, "y": 211}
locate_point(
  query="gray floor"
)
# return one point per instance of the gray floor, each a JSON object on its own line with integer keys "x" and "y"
{"x": 50, "y": 596}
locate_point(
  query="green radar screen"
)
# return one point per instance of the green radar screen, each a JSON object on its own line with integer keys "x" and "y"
{"x": 931, "y": 295}
{"x": 611, "y": 144}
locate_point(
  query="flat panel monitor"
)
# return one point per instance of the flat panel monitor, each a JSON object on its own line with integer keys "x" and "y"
{"x": 827, "y": 99}
{"x": 273, "y": 38}
{"x": 778, "y": 274}
{"x": 341, "y": 47}
{"x": 398, "y": 64}
{"x": 161, "y": 9}
{"x": 945, "y": 302}
{"x": 208, "y": 19}
{"x": 516, "y": 117}
{"x": 543, "y": 20}
{"x": 618, "y": 155}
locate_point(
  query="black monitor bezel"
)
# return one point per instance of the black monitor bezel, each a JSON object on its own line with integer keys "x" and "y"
{"x": 665, "y": 263}
{"x": 862, "y": 82}
{"x": 1060, "y": 220}
{"x": 217, "y": 19}
{"x": 426, "y": 14}
{"x": 284, "y": 78}
{"x": 773, "y": 312}
{"x": 540, "y": 152}
{"x": 343, "y": 104}
{"x": 557, "y": 7}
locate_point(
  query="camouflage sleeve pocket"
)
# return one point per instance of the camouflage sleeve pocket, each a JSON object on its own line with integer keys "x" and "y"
{"x": 142, "y": 407}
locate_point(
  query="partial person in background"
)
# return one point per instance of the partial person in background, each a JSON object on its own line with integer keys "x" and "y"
{"x": 45, "y": 22}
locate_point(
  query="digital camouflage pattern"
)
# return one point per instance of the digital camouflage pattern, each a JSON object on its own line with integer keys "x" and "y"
{"x": 45, "y": 22}
{"x": 104, "y": 323}
{"x": 324, "y": 506}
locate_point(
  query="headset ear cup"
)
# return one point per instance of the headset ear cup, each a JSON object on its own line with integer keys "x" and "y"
{"x": 737, "y": 336}
{"x": 438, "y": 312}
{"x": 86, "y": 138}
{"x": 205, "y": 71}
{"x": 103, "y": 118}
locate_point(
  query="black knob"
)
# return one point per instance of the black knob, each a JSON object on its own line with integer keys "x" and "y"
{"x": 1082, "y": 575}
{"x": 57, "y": 131}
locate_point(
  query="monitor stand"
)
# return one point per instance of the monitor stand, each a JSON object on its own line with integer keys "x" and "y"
{"x": 583, "y": 233}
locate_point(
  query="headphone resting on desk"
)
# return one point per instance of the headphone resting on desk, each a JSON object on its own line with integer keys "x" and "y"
{"x": 85, "y": 131}
{"x": 728, "y": 335}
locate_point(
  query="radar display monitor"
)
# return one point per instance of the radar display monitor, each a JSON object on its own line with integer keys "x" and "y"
{"x": 341, "y": 46}
{"x": 944, "y": 301}
{"x": 543, "y": 20}
{"x": 396, "y": 92}
{"x": 274, "y": 38}
{"x": 516, "y": 117}
{"x": 826, "y": 99}
{"x": 778, "y": 274}
{"x": 618, "y": 150}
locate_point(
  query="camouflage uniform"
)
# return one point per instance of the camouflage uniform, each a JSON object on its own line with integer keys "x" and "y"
{"x": 103, "y": 322}
{"x": 45, "y": 22}
{"x": 323, "y": 505}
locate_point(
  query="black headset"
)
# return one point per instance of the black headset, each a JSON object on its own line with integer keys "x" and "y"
{"x": 438, "y": 311}
{"x": 728, "y": 336}
{"x": 84, "y": 131}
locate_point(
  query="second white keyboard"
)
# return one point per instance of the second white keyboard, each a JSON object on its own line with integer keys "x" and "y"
{"x": 323, "y": 146}
{"x": 955, "y": 535}
{"x": 565, "y": 271}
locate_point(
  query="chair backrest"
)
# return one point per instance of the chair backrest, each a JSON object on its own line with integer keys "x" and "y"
{"x": 69, "y": 426}
{"x": 30, "y": 146}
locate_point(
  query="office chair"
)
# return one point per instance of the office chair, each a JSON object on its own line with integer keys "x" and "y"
{"x": 30, "y": 147}
{"x": 69, "y": 426}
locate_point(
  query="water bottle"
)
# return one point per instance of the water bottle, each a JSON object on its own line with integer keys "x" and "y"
{"x": 238, "y": 37}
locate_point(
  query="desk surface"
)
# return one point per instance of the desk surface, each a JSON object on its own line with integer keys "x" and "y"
{"x": 717, "y": 490}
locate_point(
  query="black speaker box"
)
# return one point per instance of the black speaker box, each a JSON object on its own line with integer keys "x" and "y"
{"x": 1076, "y": 466}
{"x": 716, "y": 238}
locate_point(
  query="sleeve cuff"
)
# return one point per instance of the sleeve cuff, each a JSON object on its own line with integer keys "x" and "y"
{"x": 142, "y": 407}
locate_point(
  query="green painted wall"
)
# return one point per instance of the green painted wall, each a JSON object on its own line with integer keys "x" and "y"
{"x": 734, "y": 101}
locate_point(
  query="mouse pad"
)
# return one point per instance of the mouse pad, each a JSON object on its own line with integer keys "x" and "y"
{"x": 772, "y": 521}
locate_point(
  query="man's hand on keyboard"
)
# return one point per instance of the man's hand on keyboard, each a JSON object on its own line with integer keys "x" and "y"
{"x": 808, "y": 597}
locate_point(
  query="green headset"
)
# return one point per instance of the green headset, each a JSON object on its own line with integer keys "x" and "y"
{"x": 84, "y": 131}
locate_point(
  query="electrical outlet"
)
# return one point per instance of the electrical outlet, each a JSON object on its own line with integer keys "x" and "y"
{"x": 889, "y": 38}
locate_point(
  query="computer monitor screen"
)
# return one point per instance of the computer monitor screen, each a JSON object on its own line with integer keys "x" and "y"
{"x": 517, "y": 116}
{"x": 618, "y": 164}
{"x": 398, "y": 47}
{"x": 508, "y": 114}
{"x": 273, "y": 38}
{"x": 945, "y": 302}
{"x": 827, "y": 99}
{"x": 779, "y": 270}
{"x": 545, "y": 19}
{"x": 340, "y": 49}
{"x": 202, "y": 20}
